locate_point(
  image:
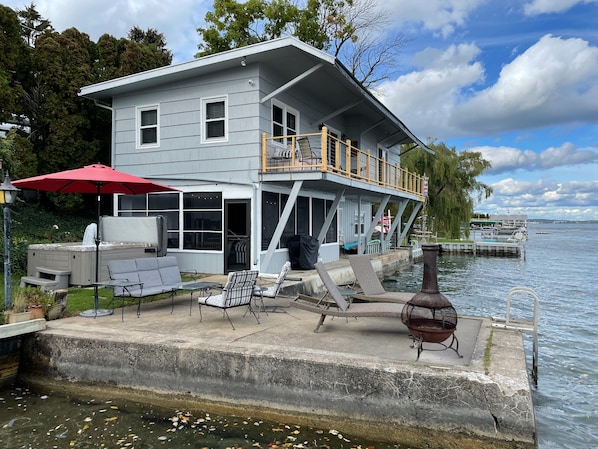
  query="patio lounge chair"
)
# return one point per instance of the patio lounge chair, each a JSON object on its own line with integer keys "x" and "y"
{"x": 370, "y": 283}
{"x": 308, "y": 156}
{"x": 237, "y": 291}
{"x": 272, "y": 290}
{"x": 341, "y": 307}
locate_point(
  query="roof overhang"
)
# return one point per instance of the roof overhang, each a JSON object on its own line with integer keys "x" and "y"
{"x": 317, "y": 74}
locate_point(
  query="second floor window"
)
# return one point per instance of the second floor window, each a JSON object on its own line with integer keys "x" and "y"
{"x": 215, "y": 127}
{"x": 148, "y": 126}
{"x": 285, "y": 121}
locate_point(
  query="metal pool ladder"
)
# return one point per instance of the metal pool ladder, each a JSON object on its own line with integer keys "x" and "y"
{"x": 523, "y": 325}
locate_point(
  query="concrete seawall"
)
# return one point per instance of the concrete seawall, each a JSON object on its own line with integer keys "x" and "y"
{"x": 358, "y": 376}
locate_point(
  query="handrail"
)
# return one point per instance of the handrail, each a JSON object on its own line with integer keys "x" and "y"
{"x": 522, "y": 324}
{"x": 339, "y": 157}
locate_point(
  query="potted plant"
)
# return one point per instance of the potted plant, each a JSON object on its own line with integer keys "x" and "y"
{"x": 18, "y": 312}
{"x": 33, "y": 300}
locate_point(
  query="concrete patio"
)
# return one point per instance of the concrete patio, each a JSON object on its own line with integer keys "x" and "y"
{"x": 359, "y": 375}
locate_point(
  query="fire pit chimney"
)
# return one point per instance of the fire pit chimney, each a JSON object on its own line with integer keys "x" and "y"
{"x": 429, "y": 315}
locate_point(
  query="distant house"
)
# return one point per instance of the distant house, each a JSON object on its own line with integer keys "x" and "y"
{"x": 264, "y": 142}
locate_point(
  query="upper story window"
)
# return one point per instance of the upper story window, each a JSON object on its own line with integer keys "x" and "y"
{"x": 148, "y": 126}
{"x": 215, "y": 120}
{"x": 285, "y": 121}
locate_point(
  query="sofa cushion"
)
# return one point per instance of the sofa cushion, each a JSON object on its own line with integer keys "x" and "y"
{"x": 169, "y": 271}
{"x": 213, "y": 300}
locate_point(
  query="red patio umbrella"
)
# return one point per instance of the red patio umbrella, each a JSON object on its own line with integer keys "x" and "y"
{"x": 98, "y": 179}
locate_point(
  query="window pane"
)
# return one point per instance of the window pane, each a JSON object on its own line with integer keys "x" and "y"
{"x": 132, "y": 214}
{"x": 163, "y": 201}
{"x": 215, "y": 129}
{"x": 317, "y": 216}
{"x": 172, "y": 219}
{"x": 149, "y": 135}
{"x": 270, "y": 214}
{"x": 173, "y": 239}
{"x": 291, "y": 125}
{"x": 215, "y": 110}
{"x": 202, "y": 200}
{"x": 302, "y": 215}
{"x": 131, "y": 202}
{"x": 203, "y": 240}
{"x": 277, "y": 114}
{"x": 289, "y": 229}
{"x": 277, "y": 130}
{"x": 149, "y": 118}
{"x": 203, "y": 221}
{"x": 331, "y": 235}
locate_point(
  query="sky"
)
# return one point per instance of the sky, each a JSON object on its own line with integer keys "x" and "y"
{"x": 516, "y": 80}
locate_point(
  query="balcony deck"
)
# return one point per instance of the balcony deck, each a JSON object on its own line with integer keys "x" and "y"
{"x": 325, "y": 154}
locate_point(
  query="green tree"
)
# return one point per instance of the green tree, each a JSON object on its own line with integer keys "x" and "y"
{"x": 352, "y": 30}
{"x": 33, "y": 24}
{"x": 42, "y": 74}
{"x": 14, "y": 57}
{"x": 452, "y": 186}
{"x": 17, "y": 156}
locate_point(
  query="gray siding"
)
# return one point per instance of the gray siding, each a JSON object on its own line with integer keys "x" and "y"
{"x": 181, "y": 155}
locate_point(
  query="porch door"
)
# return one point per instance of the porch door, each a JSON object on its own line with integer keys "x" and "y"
{"x": 237, "y": 238}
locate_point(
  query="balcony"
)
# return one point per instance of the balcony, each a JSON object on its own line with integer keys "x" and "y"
{"x": 326, "y": 154}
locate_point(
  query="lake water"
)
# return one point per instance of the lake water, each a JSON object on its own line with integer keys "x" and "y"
{"x": 560, "y": 264}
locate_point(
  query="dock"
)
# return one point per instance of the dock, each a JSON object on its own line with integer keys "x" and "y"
{"x": 483, "y": 248}
{"x": 361, "y": 376}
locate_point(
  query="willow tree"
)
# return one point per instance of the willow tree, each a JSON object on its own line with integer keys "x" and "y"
{"x": 453, "y": 186}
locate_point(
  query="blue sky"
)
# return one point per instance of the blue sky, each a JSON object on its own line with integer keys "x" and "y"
{"x": 516, "y": 80}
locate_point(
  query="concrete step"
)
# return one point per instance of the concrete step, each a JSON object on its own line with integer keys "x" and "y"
{"x": 27, "y": 281}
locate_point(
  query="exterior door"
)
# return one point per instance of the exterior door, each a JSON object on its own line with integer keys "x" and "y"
{"x": 237, "y": 238}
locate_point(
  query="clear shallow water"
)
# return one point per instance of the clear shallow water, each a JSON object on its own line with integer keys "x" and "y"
{"x": 30, "y": 420}
{"x": 561, "y": 265}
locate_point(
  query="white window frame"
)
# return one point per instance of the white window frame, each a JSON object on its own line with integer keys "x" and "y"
{"x": 139, "y": 127}
{"x": 204, "y": 120}
{"x": 285, "y": 110}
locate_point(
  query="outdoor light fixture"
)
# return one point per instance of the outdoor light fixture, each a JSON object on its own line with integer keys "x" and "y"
{"x": 244, "y": 62}
{"x": 8, "y": 194}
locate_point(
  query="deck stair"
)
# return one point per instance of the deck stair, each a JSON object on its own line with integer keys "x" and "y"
{"x": 47, "y": 278}
{"x": 522, "y": 324}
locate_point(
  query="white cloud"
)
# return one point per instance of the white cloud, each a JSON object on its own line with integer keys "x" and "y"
{"x": 505, "y": 159}
{"x": 511, "y": 194}
{"x": 438, "y": 16}
{"x": 536, "y": 7}
{"x": 177, "y": 20}
{"x": 552, "y": 83}
{"x": 426, "y": 99}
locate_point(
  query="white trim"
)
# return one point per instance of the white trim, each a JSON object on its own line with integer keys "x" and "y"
{"x": 285, "y": 109}
{"x": 138, "y": 126}
{"x": 204, "y": 102}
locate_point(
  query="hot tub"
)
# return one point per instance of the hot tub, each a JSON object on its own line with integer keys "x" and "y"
{"x": 80, "y": 259}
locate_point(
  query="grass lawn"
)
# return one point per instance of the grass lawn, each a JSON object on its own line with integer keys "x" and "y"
{"x": 80, "y": 299}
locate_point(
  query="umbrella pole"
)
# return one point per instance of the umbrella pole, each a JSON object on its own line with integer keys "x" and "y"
{"x": 96, "y": 299}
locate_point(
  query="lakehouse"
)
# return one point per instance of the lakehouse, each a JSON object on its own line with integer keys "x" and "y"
{"x": 264, "y": 142}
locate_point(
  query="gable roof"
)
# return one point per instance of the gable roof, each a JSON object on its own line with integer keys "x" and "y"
{"x": 318, "y": 74}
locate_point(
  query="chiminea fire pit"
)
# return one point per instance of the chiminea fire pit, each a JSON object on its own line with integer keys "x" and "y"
{"x": 429, "y": 316}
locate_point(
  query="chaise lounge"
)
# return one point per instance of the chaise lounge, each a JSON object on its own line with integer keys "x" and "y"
{"x": 368, "y": 280}
{"x": 339, "y": 306}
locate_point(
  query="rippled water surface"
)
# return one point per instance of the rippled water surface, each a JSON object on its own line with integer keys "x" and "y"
{"x": 561, "y": 265}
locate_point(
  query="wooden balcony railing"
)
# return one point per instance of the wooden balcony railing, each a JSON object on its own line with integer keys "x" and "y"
{"x": 325, "y": 153}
